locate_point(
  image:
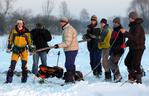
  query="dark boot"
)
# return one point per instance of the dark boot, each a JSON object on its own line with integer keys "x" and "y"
{"x": 131, "y": 75}
{"x": 108, "y": 75}
{"x": 78, "y": 76}
{"x": 139, "y": 78}
{"x": 10, "y": 72}
{"x": 117, "y": 78}
{"x": 24, "y": 72}
{"x": 135, "y": 76}
{"x": 97, "y": 73}
{"x": 24, "y": 76}
{"x": 69, "y": 77}
{"x": 9, "y": 77}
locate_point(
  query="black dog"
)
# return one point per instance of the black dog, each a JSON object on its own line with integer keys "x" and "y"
{"x": 78, "y": 76}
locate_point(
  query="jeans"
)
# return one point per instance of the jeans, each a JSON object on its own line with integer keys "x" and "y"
{"x": 43, "y": 57}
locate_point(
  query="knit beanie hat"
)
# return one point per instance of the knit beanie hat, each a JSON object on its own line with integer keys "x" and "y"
{"x": 133, "y": 15}
{"x": 103, "y": 20}
{"x": 94, "y": 17}
{"x": 39, "y": 25}
{"x": 64, "y": 19}
{"x": 20, "y": 21}
{"x": 116, "y": 20}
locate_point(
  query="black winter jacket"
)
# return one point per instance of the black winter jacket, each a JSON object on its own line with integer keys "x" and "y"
{"x": 136, "y": 35}
{"x": 40, "y": 37}
{"x": 117, "y": 39}
{"x": 93, "y": 43}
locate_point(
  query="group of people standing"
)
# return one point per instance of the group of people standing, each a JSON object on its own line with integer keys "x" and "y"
{"x": 102, "y": 43}
{"x": 20, "y": 41}
{"x": 105, "y": 45}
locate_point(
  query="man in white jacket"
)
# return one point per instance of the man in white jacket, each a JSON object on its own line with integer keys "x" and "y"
{"x": 71, "y": 47}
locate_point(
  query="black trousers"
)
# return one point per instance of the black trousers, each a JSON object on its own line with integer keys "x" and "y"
{"x": 133, "y": 60}
{"x": 95, "y": 57}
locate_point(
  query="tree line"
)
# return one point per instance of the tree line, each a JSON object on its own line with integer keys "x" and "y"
{"x": 8, "y": 16}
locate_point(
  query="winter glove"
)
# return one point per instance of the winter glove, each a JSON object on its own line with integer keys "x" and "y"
{"x": 32, "y": 48}
{"x": 86, "y": 37}
{"x": 92, "y": 36}
{"x": 8, "y": 50}
{"x": 123, "y": 45}
{"x": 56, "y": 46}
{"x": 99, "y": 39}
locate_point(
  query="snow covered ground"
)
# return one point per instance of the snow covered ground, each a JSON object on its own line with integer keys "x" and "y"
{"x": 90, "y": 87}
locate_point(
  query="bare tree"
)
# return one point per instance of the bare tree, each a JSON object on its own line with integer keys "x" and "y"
{"x": 6, "y": 6}
{"x": 64, "y": 11}
{"x": 48, "y": 7}
{"x": 141, "y": 6}
{"x": 0, "y": 6}
{"x": 84, "y": 15}
{"x": 10, "y": 20}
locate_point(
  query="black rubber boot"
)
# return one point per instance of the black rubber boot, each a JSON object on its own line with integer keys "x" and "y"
{"x": 108, "y": 76}
{"x": 69, "y": 77}
{"x": 9, "y": 77}
{"x": 10, "y": 72}
{"x": 24, "y": 76}
{"x": 24, "y": 72}
{"x": 139, "y": 78}
{"x": 97, "y": 74}
{"x": 131, "y": 75}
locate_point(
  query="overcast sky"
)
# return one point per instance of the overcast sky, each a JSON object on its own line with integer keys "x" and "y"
{"x": 102, "y": 8}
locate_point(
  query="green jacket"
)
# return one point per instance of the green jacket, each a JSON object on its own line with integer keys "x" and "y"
{"x": 105, "y": 37}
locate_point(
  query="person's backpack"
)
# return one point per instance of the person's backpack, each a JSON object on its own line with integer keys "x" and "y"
{"x": 49, "y": 72}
